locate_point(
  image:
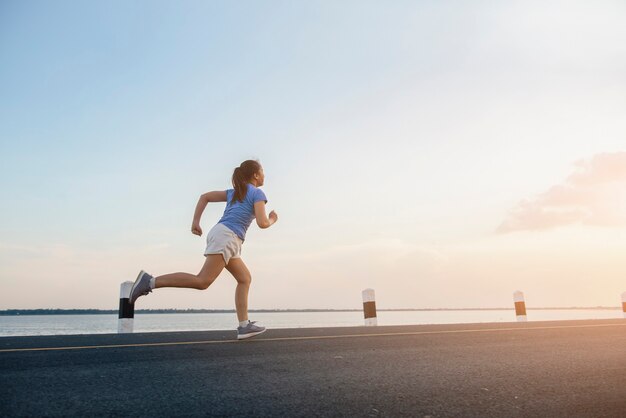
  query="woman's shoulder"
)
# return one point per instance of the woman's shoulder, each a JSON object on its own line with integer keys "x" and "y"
{"x": 255, "y": 194}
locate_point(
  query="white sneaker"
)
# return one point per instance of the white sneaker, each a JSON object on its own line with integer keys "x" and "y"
{"x": 249, "y": 330}
{"x": 141, "y": 286}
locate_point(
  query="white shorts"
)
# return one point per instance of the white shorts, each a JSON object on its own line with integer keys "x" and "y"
{"x": 221, "y": 240}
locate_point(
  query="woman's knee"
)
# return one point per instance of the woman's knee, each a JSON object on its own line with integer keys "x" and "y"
{"x": 244, "y": 280}
{"x": 204, "y": 282}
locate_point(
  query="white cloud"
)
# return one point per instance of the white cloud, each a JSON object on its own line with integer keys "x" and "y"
{"x": 594, "y": 194}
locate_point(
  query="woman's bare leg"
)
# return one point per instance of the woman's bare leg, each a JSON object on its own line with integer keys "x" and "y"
{"x": 240, "y": 272}
{"x": 213, "y": 266}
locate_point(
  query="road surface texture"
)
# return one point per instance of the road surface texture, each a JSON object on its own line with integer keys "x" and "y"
{"x": 533, "y": 369}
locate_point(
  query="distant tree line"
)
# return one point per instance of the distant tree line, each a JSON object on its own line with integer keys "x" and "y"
{"x": 15, "y": 312}
{"x": 149, "y": 311}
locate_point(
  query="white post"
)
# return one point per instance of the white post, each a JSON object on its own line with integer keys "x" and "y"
{"x": 520, "y": 306}
{"x": 127, "y": 311}
{"x": 624, "y": 304}
{"x": 369, "y": 307}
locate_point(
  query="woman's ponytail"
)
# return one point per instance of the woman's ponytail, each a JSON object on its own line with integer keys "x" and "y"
{"x": 241, "y": 177}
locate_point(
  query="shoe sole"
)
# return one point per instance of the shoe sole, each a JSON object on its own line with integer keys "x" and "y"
{"x": 251, "y": 334}
{"x": 137, "y": 281}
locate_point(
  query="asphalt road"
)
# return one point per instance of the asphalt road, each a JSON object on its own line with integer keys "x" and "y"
{"x": 547, "y": 369}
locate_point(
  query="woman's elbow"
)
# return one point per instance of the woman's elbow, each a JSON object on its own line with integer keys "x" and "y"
{"x": 263, "y": 224}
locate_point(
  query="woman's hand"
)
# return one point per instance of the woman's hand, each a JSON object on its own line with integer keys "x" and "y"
{"x": 195, "y": 229}
{"x": 273, "y": 217}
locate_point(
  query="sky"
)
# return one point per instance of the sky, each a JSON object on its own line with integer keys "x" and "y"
{"x": 445, "y": 154}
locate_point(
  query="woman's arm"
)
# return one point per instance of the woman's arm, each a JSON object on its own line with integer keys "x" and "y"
{"x": 215, "y": 196}
{"x": 262, "y": 220}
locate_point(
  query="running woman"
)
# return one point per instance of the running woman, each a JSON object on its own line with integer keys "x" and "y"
{"x": 245, "y": 202}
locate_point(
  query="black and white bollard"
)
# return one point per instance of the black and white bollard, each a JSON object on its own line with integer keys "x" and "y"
{"x": 127, "y": 311}
{"x": 369, "y": 307}
{"x": 520, "y": 306}
{"x": 624, "y": 304}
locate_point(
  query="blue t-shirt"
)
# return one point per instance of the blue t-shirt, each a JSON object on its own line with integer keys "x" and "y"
{"x": 239, "y": 215}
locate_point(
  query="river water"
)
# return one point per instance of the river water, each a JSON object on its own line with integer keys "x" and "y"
{"x": 107, "y": 323}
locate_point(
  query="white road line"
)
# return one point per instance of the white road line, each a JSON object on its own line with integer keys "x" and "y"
{"x": 315, "y": 337}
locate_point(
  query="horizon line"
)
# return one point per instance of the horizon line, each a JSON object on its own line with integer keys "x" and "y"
{"x": 44, "y": 311}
